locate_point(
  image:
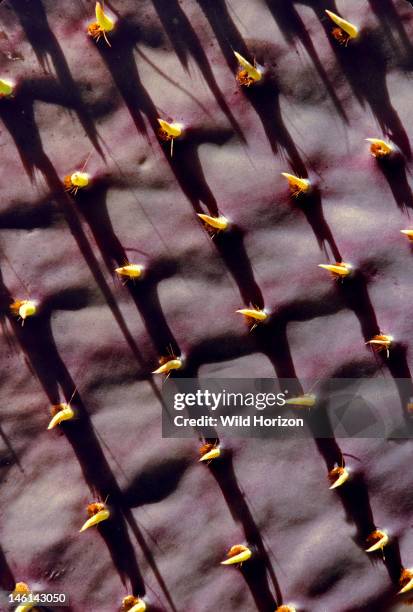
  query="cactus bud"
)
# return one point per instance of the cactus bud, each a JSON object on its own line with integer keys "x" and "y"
{"x": 345, "y": 30}
{"x": 338, "y": 270}
{"x": 167, "y": 366}
{"x": 381, "y": 342}
{"x": 377, "y": 540}
{"x": 220, "y": 223}
{"x": 307, "y": 400}
{"x": 60, "y": 412}
{"x": 408, "y": 233}
{"x": 297, "y": 185}
{"x": 103, "y": 24}
{"x": 22, "y": 588}
{"x": 130, "y": 603}
{"x": 6, "y": 88}
{"x": 406, "y": 581}
{"x": 97, "y": 512}
{"x": 338, "y": 476}
{"x": 380, "y": 148}
{"x": 257, "y": 315}
{"x": 23, "y": 309}
{"x": 130, "y": 271}
{"x": 209, "y": 452}
{"x": 77, "y": 180}
{"x": 248, "y": 74}
{"x": 237, "y": 555}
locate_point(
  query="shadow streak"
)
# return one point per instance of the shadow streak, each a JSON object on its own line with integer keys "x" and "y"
{"x": 264, "y": 97}
{"x": 354, "y": 291}
{"x": 7, "y": 579}
{"x": 185, "y": 163}
{"x": 354, "y": 495}
{"x": 33, "y": 19}
{"x": 292, "y": 27}
{"x": 185, "y": 40}
{"x": 364, "y": 63}
{"x": 390, "y": 22}
{"x": 38, "y": 345}
{"x": 256, "y": 570}
{"x": 312, "y": 208}
{"x": 14, "y": 456}
{"x": 93, "y": 206}
{"x": 395, "y": 173}
{"x": 230, "y": 245}
{"x": 17, "y": 115}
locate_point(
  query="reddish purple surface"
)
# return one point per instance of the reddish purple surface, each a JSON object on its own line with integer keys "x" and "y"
{"x": 75, "y": 98}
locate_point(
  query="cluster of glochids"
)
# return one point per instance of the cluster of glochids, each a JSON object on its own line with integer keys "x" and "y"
{"x": 130, "y": 603}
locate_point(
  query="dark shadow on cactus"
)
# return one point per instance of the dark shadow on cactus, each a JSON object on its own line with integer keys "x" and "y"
{"x": 354, "y": 292}
{"x": 327, "y": 447}
{"x": 273, "y": 342}
{"x": 12, "y": 453}
{"x": 354, "y": 493}
{"x": 115, "y": 535}
{"x": 264, "y": 97}
{"x": 185, "y": 162}
{"x": 45, "y": 46}
{"x": 38, "y": 345}
{"x": 257, "y": 572}
{"x": 261, "y": 339}
{"x": 185, "y": 41}
{"x": 230, "y": 245}
{"x": 155, "y": 482}
{"x": 7, "y": 580}
{"x": 24, "y": 218}
{"x": 398, "y": 367}
{"x": 381, "y": 603}
{"x": 391, "y": 24}
{"x": 119, "y": 59}
{"x": 292, "y": 27}
{"x": 221, "y": 348}
{"x": 93, "y": 206}
{"x": 356, "y": 368}
{"x": 312, "y": 207}
{"x": 146, "y": 297}
{"x": 355, "y": 499}
{"x": 364, "y": 64}
{"x": 392, "y": 561}
{"x": 394, "y": 171}
{"x": 186, "y": 165}
{"x": 150, "y": 560}
{"x": 18, "y": 117}
{"x": 227, "y": 35}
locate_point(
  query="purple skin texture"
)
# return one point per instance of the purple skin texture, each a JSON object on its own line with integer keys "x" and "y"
{"x": 174, "y": 519}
